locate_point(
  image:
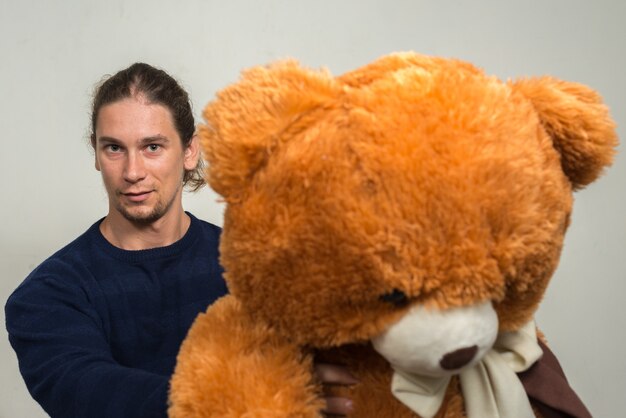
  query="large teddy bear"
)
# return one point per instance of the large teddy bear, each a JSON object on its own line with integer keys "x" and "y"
{"x": 403, "y": 220}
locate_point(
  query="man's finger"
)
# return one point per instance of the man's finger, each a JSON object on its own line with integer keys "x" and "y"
{"x": 338, "y": 406}
{"x": 334, "y": 374}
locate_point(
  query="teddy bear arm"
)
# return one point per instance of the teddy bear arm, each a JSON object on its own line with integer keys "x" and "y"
{"x": 230, "y": 366}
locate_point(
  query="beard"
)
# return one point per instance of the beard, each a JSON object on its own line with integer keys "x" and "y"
{"x": 149, "y": 216}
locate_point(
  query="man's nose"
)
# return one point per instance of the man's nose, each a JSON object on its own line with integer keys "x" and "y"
{"x": 135, "y": 168}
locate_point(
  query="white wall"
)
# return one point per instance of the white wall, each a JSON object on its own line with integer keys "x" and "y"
{"x": 52, "y": 52}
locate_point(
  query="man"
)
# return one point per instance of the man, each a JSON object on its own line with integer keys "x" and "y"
{"x": 97, "y": 326}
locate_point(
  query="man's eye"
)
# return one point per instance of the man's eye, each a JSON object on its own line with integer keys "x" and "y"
{"x": 153, "y": 147}
{"x": 113, "y": 148}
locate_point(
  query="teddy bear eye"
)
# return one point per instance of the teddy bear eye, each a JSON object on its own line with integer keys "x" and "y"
{"x": 396, "y": 297}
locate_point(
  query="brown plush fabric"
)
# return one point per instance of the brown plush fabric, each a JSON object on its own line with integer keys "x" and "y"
{"x": 549, "y": 391}
{"x": 413, "y": 176}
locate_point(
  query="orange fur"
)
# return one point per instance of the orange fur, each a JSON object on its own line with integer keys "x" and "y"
{"x": 240, "y": 368}
{"x": 414, "y": 173}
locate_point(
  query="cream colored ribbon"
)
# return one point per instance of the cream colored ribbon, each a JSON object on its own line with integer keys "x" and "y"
{"x": 491, "y": 388}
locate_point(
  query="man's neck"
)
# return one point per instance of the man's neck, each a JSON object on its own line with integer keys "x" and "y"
{"x": 129, "y": 235}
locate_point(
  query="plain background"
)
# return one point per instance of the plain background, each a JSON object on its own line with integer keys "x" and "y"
{"x": 53, "y": 52}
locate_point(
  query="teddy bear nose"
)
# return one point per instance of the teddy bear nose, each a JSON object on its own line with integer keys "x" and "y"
{"x": 458, "y": 358}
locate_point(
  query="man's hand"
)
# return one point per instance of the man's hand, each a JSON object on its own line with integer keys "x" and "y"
{"x": 332, "y": 374}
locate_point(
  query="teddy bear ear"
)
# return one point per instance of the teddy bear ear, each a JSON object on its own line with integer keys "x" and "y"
{"x": 247, "y": 120}
{"x": 578, "y": 122}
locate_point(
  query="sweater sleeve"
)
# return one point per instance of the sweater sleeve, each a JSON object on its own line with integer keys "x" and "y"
{"x": 65, "y": 359}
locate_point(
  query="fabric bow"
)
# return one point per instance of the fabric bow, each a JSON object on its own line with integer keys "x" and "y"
{"x": 491, "y": 388}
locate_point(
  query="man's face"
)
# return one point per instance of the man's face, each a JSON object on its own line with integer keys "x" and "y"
{"x": 141, "y": 158}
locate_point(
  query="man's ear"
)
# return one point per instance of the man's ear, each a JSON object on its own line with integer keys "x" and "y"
{"x": 578, "y": 122}
{"x": 95, "y": 154}
{"x": 192, "y": 154}
{"x": 248, "y": 120}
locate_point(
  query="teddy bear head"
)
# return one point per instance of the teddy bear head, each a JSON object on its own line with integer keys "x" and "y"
{"x": 413, "y": 182}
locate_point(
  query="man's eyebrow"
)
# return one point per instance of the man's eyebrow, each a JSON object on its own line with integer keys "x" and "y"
{"x": 108, "y": 140}
{"x": 154, "y": 138}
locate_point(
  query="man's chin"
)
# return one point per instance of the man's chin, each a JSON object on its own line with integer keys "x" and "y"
{"x": 141, "y": 217}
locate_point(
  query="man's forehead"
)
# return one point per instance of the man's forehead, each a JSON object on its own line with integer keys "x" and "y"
{"x": 134, "y": 120}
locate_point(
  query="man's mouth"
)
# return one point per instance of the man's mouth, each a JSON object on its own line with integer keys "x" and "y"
{"x": 137, "y": 196}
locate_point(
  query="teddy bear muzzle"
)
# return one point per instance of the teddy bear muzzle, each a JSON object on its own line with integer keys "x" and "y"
{"x": 439, "y": 343}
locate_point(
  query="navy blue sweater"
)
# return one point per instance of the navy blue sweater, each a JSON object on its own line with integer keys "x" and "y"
{"x": 97, "y": 329}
